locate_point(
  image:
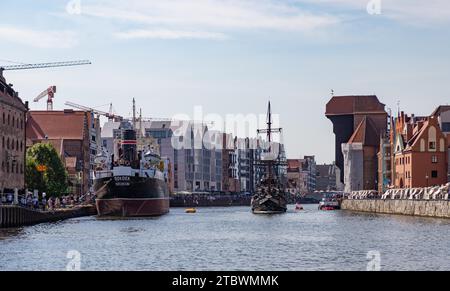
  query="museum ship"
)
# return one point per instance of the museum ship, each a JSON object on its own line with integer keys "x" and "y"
{"x": 270, "y": 196}
{"x": 131, "y": 183}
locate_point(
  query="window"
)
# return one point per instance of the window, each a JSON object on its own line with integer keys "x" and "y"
{"x": 434, "y": 174}
{"x": 434, "y": 159}
{"x": 446, "y": 126}
{"x": 432, "y": 145}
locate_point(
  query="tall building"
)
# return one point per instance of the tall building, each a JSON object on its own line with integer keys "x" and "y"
{"x": 309, "y": 168}
{"x": 12, "y": 128}
{"x": 384, "y": 165}
{"x": 202, "y": 160}
{"x": 358, "y": 124}
{"x": 72, "y": 134}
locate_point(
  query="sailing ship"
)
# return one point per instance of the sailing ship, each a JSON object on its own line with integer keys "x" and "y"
{"x": 270, "y": 196}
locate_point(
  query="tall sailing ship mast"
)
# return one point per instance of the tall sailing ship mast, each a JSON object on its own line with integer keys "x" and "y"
{"x": 270, "y": 197}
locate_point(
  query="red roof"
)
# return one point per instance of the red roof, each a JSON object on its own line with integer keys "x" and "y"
{"x": 349, "y": 105}
{"x": 54, "y": 125}
{"x": 293, "y": 164}
{"x": 365, "y": 133}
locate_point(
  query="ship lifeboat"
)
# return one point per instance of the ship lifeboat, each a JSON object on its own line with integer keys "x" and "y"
{"x": 191, "y": 210}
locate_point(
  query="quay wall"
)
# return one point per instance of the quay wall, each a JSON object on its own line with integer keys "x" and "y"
{"x": 425, "y": 208}
{"x": 15, "y": 216}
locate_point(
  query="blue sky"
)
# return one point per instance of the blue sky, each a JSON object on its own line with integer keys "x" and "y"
{"x": 230, "y": 56}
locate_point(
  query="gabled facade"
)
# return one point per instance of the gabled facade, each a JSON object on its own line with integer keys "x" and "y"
{"x": 420, "y": 153}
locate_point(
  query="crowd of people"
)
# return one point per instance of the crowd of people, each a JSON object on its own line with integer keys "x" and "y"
{"x": 44, "y": 203}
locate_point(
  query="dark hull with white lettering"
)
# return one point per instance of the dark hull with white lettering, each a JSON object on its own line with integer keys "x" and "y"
{"x": 131, "y": 197}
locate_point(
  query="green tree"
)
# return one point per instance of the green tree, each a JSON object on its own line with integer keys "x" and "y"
{"x": 52, "y": 177}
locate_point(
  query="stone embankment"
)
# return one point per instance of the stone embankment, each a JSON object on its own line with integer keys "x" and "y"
{"x": 425, "y": 208}
{"x": 15, "y": 216}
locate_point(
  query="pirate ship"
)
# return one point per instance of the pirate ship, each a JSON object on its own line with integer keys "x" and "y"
{"x": 270, "y": 196}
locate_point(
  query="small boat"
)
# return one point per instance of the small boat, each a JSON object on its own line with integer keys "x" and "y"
{"x": 329, "y": 204}
{"x": 191, "y": 210}
{"x": 298, "y": 207}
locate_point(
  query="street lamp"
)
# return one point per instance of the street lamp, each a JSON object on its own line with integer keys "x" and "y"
{"x": 427, "y": 177}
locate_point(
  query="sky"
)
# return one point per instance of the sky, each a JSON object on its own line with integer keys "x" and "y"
{"x": 232, "y": 56}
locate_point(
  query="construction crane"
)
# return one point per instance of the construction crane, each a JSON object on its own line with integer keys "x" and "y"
{"x": 44, "y": 65}
{"x": 50, "y": 93}
{"x": 109, "y": 115}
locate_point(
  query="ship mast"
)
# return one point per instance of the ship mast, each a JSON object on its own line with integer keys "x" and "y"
{"x": 134, "y": 114}
{"x": 269, "y": 130}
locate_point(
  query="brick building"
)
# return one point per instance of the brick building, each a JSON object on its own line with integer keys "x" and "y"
{"x": 442, "y": 113}
{"x": 419, "y": 153}
{"x": 12, "y": 144}
{"x": 70, "y": 133}
{"x": 358, "y": 123}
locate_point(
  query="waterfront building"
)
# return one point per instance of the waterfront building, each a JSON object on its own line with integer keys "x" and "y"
{"x": 384, "y": 165}
{"x": 12, "y": 148}
{"x": 310, "y": 172}
{"x": 442, "y": 113}
{"x": 302, "y": 175}
{"x": 230, "y": 167}
{"x": 295, "y": 182}
{"x": 353, "y": 117}
{"x": 420, "y": 152}
{"x": 326, "y": 177}
{"x": 207, "y": 160}
{"x": 73, "y": 135}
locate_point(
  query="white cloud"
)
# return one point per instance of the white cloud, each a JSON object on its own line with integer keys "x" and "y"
{"x": 410, "y": 11}
{"x": 205, "y": 18}
{"x": 169, "y": 34}
{"x": 39, "y": 39}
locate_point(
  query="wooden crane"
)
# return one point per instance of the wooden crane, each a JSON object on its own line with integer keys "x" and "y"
{"x": 50, "y": 93}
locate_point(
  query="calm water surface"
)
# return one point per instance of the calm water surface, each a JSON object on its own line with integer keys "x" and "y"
{"x": 232, "y": 239}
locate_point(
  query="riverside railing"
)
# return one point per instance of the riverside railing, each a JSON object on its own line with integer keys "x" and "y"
{"x": 428, "y": 193}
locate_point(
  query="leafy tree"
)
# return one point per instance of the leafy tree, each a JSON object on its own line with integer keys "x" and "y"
{"x": 45, "y": 171}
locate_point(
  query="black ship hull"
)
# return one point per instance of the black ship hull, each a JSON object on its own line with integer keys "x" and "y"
{"x": 125, "y": 196}
{"x": 269, "y": 205}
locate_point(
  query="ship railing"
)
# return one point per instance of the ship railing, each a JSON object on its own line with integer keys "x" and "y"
{"x": 102, "y": 174}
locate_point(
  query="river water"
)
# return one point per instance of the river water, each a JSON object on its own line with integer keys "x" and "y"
{"x": 233, "y": 239}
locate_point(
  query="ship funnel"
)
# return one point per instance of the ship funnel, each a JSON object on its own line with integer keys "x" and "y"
{"x": 129, "y": 145}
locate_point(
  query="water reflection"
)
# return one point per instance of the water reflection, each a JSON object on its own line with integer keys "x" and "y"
{"x": 232, "y": 239}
